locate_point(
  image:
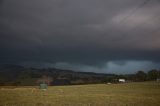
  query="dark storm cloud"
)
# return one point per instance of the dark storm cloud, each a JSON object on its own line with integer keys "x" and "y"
{"x": 80, "y": 33}
{"x": 1, "y": 1}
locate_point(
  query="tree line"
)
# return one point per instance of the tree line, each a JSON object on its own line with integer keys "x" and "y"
{"x": 20, "y": 76}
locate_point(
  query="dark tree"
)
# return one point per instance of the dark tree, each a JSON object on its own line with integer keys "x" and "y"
{"x": 141, "y": 76}
{"x": 153, "y": 74}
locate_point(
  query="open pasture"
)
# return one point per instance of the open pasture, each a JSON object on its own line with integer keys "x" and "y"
{"x": 129, "y": 94}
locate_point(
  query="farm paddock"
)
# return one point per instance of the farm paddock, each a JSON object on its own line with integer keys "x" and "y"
{"x": 128, "y": 94}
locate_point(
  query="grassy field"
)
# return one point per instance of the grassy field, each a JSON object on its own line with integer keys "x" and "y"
{"x": 129, "y": 94}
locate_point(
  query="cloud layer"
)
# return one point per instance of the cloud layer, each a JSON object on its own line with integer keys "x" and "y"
{"x": 85, "y": 33}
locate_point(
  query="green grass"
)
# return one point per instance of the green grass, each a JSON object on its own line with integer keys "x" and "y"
{"x": 129, "y": 94}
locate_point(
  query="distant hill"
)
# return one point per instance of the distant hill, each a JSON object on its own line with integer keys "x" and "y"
{"x": 19, "y": 75}
{"x": 22, "y": 76}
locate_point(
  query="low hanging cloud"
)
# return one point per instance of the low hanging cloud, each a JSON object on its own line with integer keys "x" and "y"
{"x": 117, "y": 67}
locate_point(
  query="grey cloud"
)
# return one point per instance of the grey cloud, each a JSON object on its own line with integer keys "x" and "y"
{"x": 79, "y": 31}
{"x": 118, "y": 67}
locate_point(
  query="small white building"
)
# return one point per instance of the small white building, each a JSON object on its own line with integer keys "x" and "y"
{"x": 122, "y": 80}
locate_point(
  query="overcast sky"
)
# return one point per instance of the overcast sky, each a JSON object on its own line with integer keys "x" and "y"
{"x": 104, "y": 36}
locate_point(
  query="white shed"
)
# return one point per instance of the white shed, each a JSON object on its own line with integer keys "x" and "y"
{"x": 122, "y": 80}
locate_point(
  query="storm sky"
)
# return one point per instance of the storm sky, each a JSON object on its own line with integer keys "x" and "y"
{"x": 104, "y": 36}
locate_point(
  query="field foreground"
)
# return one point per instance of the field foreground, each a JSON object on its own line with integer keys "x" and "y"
{"x": 129, "y": 94}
